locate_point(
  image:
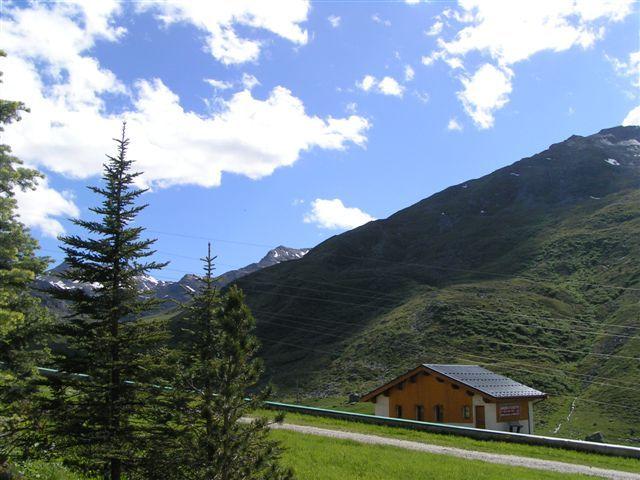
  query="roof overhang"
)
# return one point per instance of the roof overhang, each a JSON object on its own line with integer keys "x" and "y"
{"x": 423, "y": 368}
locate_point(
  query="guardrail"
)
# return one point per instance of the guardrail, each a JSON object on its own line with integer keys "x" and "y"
{"x": 443, "y": 428}
{"x": 478, "y": 433}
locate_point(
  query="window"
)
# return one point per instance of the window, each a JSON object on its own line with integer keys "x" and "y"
{"x": 419, "y": 413}
{"x": 438, "y": 412}
{"x": 398, "y": 411}
{"x": 466, "y": 412}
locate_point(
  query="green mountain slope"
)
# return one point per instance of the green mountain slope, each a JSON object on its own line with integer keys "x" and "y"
{"x": 533, "y": 271}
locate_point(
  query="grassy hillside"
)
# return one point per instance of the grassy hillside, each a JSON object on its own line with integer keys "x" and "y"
{"x": 532, "y": 270}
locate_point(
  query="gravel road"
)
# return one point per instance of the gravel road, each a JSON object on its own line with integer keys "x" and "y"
{"x": 512, "y": 460}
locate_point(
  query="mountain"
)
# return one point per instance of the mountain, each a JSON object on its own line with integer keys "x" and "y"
{"x": 164, "y": 290}
{"x": 189, "y": 283}
{"x": 532, "y": 270}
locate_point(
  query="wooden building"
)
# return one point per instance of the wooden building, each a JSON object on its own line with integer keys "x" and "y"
{"x": 466, "y": 395}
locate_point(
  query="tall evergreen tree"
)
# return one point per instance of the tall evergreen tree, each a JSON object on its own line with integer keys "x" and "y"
{"x": 106, "y": 363}
{"x": 219, "y": 379}
{"x": 24, "y": 323}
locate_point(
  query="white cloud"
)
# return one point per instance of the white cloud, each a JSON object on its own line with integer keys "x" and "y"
{"x": 367, "y": 83}
{"x": 453, "y": 62}
{"x": 514, "y": 31}
{"x": 334, "y": 20}
{"x": 218, "y": 84}
{"x": 249, "y": 81}
{"x": 633, "y": 117}
{"x": 511, "y": 32}
{"x": 332, "y": 214}
{"x": 351, "y": 107}
{"x": 409, "y": 73}
{"x": 385, "y": 86}
{"x": 377, "y": 19}
{"x": 38, "y": 208}
{"x": 390, "y": 86}
{"x": 219, "y": 19}
{"x": 412, "y": 2}
{"x": 435, "y": 29}
{"x": 428, "y": 60}
{"x": 454, "y": 125}
{"x": 630, "y": 68}
{"x": 484, "y": 92}
{"x": 69, "y": 129}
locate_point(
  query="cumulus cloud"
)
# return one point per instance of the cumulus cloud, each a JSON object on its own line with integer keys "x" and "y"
{"x": 39, "y": 208}
{"x": 219, "y": 84}
{"x": 633, "y": 117}
{"x": 629, "y": 68}
{"x": 409, "y": 73}
{"x": 69, "y": 128}
{"x": 249, "y": 81}
{"x": 454, "y": 125}
{"x": 218, "y": 20}
{"x": 367, "y": 83}
{"x": 390, "y": 86}
{"x": 435, "y": 29}
{"x": 484, "y": 92}
{"x": 511, "y": 32}
{"x": 385, "y": 86}
{"x": 334, "y": 20}
{"x": 334, "y": 215}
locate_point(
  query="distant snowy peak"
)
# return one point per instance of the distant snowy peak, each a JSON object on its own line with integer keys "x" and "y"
{"x": 169, "y": 292}
{"x": 54, "y": 278}
{"x": 147, "y": 283}
{"x": 283, "y": 254}
{"x": 273, "y": 257}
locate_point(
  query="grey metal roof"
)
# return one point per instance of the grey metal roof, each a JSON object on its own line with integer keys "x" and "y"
{"x": 494, "y": 385}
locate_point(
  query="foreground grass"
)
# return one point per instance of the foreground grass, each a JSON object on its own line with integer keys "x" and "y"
{"x": 546, "y": 453}
{"x": 313, "y": 457}
{"x": 41, "y": 470}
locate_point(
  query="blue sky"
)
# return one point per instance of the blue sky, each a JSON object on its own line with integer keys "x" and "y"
{"x": 287, "y": 122}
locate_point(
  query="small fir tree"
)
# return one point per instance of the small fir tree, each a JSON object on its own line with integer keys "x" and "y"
{"x": 220, "y": 377}
{"x": 107, "y": 356}
{"x": 24, "y": 323}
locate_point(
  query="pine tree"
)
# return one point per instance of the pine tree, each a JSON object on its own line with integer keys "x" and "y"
{"x": 24, "y": 323}
{"x": 108, "y": 370}
{"x": 220, "y": 378}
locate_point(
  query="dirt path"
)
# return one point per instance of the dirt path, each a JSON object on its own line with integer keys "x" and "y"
{"x": 512, "y": 460}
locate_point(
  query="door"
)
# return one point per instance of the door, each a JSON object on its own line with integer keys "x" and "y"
{"x": 480, "y": 416}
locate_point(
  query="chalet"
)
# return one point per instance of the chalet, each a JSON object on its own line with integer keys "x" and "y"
{"x": 465, "y": 395}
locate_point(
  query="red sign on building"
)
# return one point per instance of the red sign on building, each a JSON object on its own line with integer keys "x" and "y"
{"x": 509, "y": 410}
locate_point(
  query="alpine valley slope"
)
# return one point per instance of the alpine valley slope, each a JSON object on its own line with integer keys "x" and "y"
{"x": 532, "y": 270}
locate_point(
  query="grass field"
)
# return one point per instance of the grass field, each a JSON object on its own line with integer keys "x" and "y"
{"x": 546, "y": 453}
{"x": 314, "y": 457}
{"x": 323, "y": 458}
